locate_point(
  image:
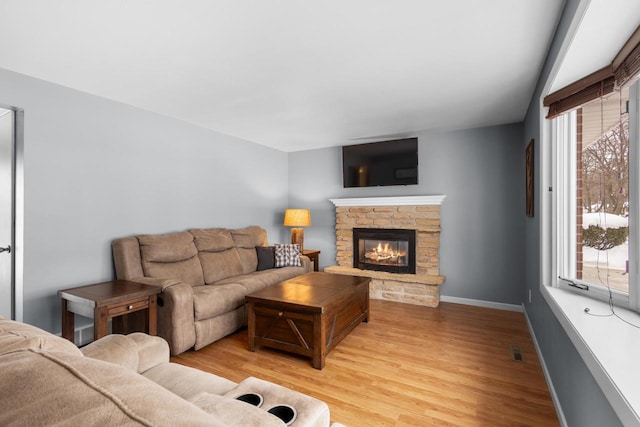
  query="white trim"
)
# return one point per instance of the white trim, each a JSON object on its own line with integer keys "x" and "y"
{"x": 547, "y": 227}
{"x": 565, "y": 164}
{"x": 18, "y": 203}
{"x": 607, "y": 345}
{"x": 634, "y": 194}
{"x": 547, "y": 375}
{"x": 391, "y": 201}
{"x": 82, "y": 335}
{"x": 481, "y": 303}
{"x": 564, "y": 235}
{"x": 569, "y": 36}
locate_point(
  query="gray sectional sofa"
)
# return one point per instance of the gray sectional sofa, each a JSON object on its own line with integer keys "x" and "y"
{"x": 204, "y": 275}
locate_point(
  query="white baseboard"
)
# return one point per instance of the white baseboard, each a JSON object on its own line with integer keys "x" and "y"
{"x": 82, "y": 336}
{"x": 481, "y": 303}
{"x": 547, "y": 376}
{"x": 85, "y": 335}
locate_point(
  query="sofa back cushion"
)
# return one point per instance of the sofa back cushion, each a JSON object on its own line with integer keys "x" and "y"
{"x": 126, "y": 258}
{"x": 46, "y": 380}
{"x": 246, "y": 240}
{"x": 49, "y": 388}
{"x": 217, "y": 253}
{"x": 16, "y": 336}
{"x": 171, "y": 256}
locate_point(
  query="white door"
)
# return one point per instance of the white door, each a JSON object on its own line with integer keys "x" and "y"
{"x": 6, "y": 213}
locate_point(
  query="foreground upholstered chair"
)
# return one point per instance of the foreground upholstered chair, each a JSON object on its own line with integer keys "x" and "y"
{"x": 128, "y": 380}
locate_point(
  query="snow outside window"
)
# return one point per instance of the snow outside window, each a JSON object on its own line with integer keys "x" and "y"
{"x": 597, "y": 196}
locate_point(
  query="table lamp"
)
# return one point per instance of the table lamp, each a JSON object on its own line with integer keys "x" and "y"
{"x": 297, "y": 218}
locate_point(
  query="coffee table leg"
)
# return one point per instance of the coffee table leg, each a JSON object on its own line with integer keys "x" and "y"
{"x": 251, "y": 320}
{"x": 367, "y": 301}
{"x": 68, "y": 322}
{"x": 319, "y": 341}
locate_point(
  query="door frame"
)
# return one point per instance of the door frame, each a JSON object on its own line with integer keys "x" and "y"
{"x": 17, "y": 241}
{"x": 18, "y": 216}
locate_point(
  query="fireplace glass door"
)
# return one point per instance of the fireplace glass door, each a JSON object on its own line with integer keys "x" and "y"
{"x": 384, "y": 250}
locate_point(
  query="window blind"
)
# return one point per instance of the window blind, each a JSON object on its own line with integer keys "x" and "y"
{"x": 624, "y": 66}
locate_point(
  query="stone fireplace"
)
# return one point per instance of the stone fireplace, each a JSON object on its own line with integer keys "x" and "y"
{"x": 382, "y": 256}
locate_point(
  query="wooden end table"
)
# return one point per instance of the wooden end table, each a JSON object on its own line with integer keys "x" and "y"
{"x": 108, "y": 300}
{"x": 314, "y": 255}
{"x": 309, "y": 314}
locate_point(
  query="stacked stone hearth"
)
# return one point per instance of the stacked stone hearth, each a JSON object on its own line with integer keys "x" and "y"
{"x": 420, "y": 213}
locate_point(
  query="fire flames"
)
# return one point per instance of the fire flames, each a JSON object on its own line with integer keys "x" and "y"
{"x": 383, "y": 252}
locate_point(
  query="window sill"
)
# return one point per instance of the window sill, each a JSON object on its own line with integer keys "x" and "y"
{"x": 608, "y": 346}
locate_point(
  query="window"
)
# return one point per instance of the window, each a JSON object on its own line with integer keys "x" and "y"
{"x": 596, "y": 197}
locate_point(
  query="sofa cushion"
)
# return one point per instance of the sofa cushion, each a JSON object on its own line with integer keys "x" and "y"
{"x": 212, "y": 329}
{"x": 187, "y": 382}
{"x": 261, "y": 279}
{"x": 217, "y": 252}
{"x": 213, "y": 300}
{"x": 171, "y": 256}
{"x": 220, "y": 265}
{"x": 288, "y": 255}
{"x": 76, "y": 390}
{"x": 212, "y": 239}
{"x": 246, "y": 240}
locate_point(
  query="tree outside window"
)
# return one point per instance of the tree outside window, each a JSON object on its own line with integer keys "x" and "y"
{"x": 603, "y": 192}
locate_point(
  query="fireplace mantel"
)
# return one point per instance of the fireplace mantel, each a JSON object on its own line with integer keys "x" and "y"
{"x": 432, "y": 200}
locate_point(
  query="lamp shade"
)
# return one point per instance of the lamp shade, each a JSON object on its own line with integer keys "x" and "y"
{"x": 297, "y": 218}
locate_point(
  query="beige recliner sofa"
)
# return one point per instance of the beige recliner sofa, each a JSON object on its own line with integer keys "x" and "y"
{"x": 204, "y": 275}
{"x": 128, "y": 380}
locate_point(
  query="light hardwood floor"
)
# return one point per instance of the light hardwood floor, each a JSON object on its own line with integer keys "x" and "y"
{"x": 409, "y": 366}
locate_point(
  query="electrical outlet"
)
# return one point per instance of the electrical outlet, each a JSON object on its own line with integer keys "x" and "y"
{"x": 529, "y": 296}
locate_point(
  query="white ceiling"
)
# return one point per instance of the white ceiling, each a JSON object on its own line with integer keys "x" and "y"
{"x": 605, "y": 26}
{"x": 292, "y": 74}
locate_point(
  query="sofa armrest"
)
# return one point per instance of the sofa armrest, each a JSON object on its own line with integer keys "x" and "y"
{"x": 233, "y": 412}
{"x": 118, "y": 349}
{"x": 306, "y": 263}
{"x": 311, "y": 412}
{"x": 152, "y": 351}
{"x": 152, "y": 281}
{"x": 136, "y": 351}
{"x": 176, "y": 321}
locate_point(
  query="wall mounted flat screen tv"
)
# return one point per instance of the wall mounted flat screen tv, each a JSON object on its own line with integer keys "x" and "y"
{"x": 380, "y": 163}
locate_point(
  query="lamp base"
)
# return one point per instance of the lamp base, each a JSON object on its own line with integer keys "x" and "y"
{"x": 297, "y": 236}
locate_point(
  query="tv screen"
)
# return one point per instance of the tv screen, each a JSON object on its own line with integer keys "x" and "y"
{"x": 380, "y": 163}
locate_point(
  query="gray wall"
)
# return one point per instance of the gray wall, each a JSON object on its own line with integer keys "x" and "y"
{"x": 96, "y": 170}
{"x": 581, "y": 399}
{"x": 481, "y": 171}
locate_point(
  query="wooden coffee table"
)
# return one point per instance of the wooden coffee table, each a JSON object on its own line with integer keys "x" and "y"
{"x": 309, "y": 314}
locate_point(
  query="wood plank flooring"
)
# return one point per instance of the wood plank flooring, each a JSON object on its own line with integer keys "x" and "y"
{"x": 409, "y": 366}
